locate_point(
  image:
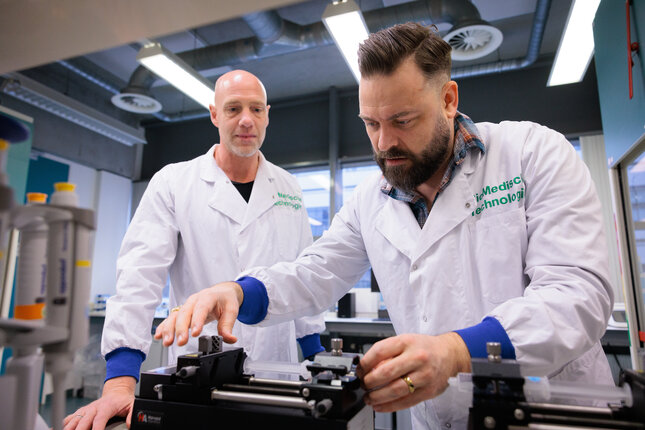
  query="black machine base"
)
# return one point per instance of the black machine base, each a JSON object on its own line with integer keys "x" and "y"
{"x": 153, "y": 414}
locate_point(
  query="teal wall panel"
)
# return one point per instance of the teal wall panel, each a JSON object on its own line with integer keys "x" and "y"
{"x": 44, "y": 173}
{"x": 17, "y": 171}
{"x": 18, "y": 157}
{"x": 623, "y": 120}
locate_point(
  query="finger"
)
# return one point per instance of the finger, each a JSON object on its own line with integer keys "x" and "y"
{"x": 85, "y": 423}
{"x": 100, "y": 421}
{"x": 380, "y": 351}
{"x": 200, "y": 315}
{"x": 159, "y": 330}
{"x": 396, "y": 389}
{"x": 360, "y": 372}
{"x": 420, "y": 394}
{"x": 73, "y": 416}
{"x": 182, "y": 322}
{"x": 70, "y": 417}
{"x": 73, "y": 421}
{"x": 401, "y": 403}
{"x": 166, "y": 329}
{"x": 128, "y": 419}
{"x": 388, "y": 371}
{"x": 226, "y": 321}
{"x": 69, "y": 423}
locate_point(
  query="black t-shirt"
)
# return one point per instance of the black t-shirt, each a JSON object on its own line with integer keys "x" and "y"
{"x": 244, "y": 189}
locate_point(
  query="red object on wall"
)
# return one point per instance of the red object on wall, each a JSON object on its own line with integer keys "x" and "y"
{"x": 631, "y": 47}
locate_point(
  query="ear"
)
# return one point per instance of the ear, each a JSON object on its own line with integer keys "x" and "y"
{"x": 268, "y": 107}
{"x": 213, "y": 111}
{"x": 450, "y": 96}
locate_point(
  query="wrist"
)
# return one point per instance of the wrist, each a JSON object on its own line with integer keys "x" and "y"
{"x": 125, "y": 384}
{"x": 239, "y": 292}
{"x": 459, "y": 352}
{"x": 231, "y": 289}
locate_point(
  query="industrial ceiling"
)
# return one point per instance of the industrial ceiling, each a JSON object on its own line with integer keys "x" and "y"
{"x": 286, "y": 46}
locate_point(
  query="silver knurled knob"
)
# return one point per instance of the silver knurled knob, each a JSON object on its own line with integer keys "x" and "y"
{"x": 494, "y": 350}
{"x": 337, "y": 346}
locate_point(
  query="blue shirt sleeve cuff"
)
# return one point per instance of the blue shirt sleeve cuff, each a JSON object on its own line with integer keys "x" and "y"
{"x": 124, "y": 362}
{"x": 310, "y": 345}
{"x": 256, "y": 301}
{"x": 489, "y": 330}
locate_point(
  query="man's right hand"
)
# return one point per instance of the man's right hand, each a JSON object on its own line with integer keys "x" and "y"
{"x": 220, "y": 302}
{"x": 116, "y": 400}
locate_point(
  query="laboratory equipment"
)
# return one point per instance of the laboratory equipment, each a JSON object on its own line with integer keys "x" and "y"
{"x": 52, "y": 296}
{"x": 501, "y": 398}
{"x": 211, "y": 387}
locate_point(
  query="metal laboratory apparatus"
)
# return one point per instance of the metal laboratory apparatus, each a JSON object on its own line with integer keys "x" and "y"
{"x": 51, "y": 300}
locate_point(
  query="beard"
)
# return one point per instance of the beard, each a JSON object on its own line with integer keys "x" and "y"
{"x": 422, "y": 166}
{"x": 244, "y": 151}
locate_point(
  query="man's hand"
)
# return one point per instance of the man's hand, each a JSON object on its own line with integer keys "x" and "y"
{"x": 220, "y": 302}
{"x": 116, "y": 400}
{"x": 428, "y": 362}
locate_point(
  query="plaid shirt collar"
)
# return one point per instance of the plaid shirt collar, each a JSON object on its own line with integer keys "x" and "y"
{"x": 466, "y": 139}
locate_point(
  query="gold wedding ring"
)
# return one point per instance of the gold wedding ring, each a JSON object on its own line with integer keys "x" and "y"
{"x": 175, "y": 309}
{"x": 408, "y": 381}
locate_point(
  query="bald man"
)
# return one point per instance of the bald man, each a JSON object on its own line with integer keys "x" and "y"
{"x": 201, "y": 222}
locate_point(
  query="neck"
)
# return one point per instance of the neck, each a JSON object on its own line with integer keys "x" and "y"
{"x": 236, "y": 168}
{"x": 430, "y": 188}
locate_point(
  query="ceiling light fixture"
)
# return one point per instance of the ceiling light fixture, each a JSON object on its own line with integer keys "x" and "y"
{"x": 346, "y": 25}
{"x": 47, "y": 99}
{"x": 177, "y": 73}
{"x": 576, "y": 46}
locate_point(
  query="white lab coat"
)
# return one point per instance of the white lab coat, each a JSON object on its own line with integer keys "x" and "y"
{"x": 193, "y": 224}
{"x": 537, "y": 263}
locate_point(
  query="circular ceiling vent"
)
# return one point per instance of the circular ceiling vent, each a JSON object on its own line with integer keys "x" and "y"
{"x": 137, "y": 103}
{"x": 470, "y": 42}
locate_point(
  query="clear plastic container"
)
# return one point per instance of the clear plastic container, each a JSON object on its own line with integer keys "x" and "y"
{"x": 277, "y": 367}
{"x": 541, "y": 390}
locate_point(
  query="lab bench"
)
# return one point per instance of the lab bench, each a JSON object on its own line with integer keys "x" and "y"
{"x": 358, "y": 335}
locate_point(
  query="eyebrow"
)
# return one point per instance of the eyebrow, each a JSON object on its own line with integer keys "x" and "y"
{"x": 395, "y": 116}
{"x": 239, "y": 102}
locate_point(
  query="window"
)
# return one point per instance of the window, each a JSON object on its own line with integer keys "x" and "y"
{"x": 352, "y": 175}
{"x": 576, "y": 145}
{"x": 629, "y": 176}
{"x": 636, "y": 181}
{"x": 315, "y": 186}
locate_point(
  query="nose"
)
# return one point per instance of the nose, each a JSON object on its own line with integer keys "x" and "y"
{"x": 245, "y": 119}
{"x": 385, "y": 139}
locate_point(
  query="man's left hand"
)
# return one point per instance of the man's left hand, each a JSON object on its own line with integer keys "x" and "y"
{"x": 427, "y": 362}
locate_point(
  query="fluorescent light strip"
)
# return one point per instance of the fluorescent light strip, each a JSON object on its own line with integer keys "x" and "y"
{"x": 42, "y": 97}
{"x": 177, "y": 73}
{"x": 576, "y": 46}
{"x": 348, "y": 30}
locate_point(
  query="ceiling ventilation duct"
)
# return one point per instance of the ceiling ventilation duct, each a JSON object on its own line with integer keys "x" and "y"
{"x": 470, "y": 36}
{"x": 269, "y": 26}
{"x": 274, "y": 36}
{"x": 473, "y": 41}
{"x": 136, "y": 103}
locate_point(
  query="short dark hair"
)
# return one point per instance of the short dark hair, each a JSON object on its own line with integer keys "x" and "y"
{"x": 382, "y": 52}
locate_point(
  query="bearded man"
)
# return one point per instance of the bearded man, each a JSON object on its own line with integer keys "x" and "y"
{"x": 475, "y": 233}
